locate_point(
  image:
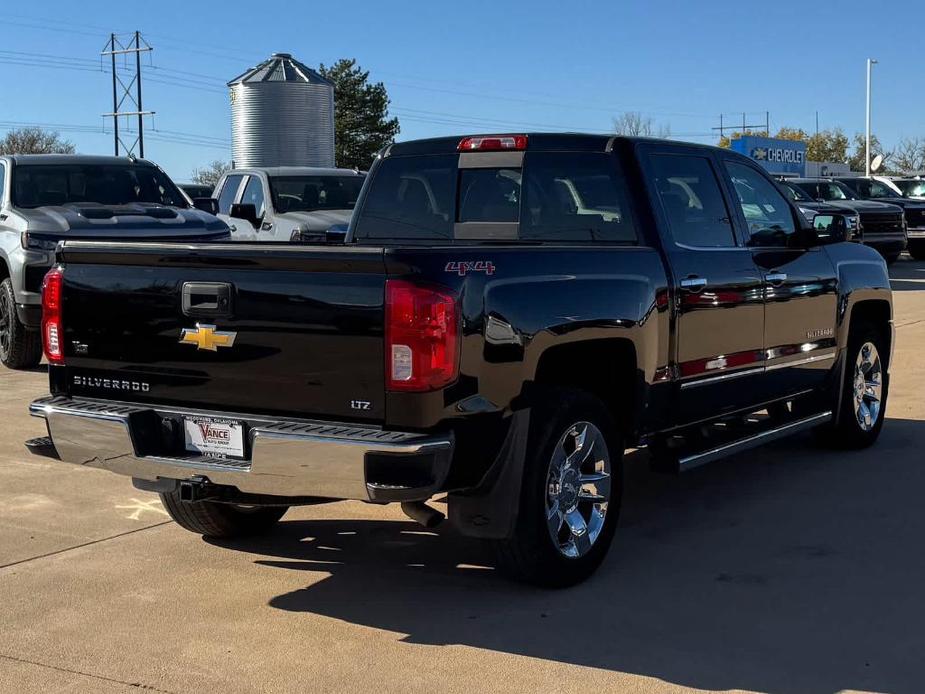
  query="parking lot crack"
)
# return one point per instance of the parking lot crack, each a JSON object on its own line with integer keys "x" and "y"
{"x": 912, "y": 322}
{"x": 89, "y": 675}
{"x": 82, "y": 544}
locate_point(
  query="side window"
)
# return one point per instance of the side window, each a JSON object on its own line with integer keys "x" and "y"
{"x": 229, "y": 189}
{"x": 575, "y": 196}
{"x": 863, "y": 188}
{"x": 693, "y": 201}
{"x": 767, "y": 214}
{"x": 878, "y": 190}
{"x": 253, "y": 194}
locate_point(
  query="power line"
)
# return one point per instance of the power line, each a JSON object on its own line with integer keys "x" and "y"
{"x": 171, "y": 136}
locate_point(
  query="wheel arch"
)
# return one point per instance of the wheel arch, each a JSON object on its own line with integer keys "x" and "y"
{"x": 607, "y": 368}
{"x": 878, "y": 311}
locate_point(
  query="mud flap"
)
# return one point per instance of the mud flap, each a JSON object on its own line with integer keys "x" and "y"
{"x": 490, "y": 510}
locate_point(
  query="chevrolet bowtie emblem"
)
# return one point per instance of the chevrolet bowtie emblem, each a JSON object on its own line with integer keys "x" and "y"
{"x": 207, "y": 337}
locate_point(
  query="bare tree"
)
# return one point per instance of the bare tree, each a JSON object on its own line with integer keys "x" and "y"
{"x": 636, "y": 124}
{"x": 210, "y": 174}
{"x": 909, "y": 155}
{"x": 34, "y": 140}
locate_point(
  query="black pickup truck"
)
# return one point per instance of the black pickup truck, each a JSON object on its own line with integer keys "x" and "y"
{"x": 883, "y": 223}
{"x": 508, "y": 315}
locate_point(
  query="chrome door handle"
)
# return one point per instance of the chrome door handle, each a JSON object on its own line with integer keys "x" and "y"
{"x": 776, "y": 278}
{"x": 693, "y": 283}
{"x": 232, "y": 227}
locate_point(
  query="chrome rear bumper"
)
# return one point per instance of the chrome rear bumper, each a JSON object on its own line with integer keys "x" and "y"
{"x": 287, "y": 457}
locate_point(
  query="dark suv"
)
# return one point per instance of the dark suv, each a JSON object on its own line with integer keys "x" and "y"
{"x": 883, "y": 226}
{"x": 872, "y": 189}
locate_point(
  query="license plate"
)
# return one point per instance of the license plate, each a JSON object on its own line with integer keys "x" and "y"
{"x": 214, "y": 437}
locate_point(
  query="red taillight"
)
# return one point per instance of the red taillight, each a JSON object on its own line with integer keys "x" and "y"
{"x": 52, "y": 325}
{"x": 493, "y": 143}
{"x": 421, "y": 337}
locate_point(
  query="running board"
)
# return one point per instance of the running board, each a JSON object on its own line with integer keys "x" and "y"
{"x": 758, "y": 439}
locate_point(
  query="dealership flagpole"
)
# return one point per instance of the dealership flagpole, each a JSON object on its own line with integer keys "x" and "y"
{"x": 870, "y": 63}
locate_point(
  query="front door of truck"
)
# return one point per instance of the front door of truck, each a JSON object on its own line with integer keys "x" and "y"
{"x": 801, "y": 290}
{"x": 718, "y": 290}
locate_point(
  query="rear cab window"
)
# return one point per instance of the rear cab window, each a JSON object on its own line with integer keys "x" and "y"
{"x": 535, "y": 196}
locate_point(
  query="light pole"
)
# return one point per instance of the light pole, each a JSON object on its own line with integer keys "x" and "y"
{"x": 870, "y": 63}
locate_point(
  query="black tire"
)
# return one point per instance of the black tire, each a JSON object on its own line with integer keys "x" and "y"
{"x": 530, "y": 553}
{"x": 20, "y": 348}
{"x": 917, "y": 249}
{"x": 212, "y": 519}
{"x": 848, "y": 432}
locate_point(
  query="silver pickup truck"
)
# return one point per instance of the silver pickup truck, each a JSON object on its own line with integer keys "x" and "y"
{"x": 287, "y": 203}
{"x": 47, "y": 198}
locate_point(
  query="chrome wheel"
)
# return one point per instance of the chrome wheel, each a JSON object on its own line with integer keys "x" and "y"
{"x": 578, "y": 489}
{"x": 868, "y": 386}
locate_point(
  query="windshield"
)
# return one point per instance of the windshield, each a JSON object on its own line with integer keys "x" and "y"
{"x": 107, "y": 184}
{"x": 912, "y": 189}
{"x": 869, "y": 188}
{"x": 308, "y": 193}
{"x": 833, "y": 190}
{"x": 795, "y": 193}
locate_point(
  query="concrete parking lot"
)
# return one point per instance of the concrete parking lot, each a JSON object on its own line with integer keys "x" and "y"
{"x": 787, "y": 569}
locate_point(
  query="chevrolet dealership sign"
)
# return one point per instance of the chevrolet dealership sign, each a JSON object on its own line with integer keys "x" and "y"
{"x": 777, "y": 156}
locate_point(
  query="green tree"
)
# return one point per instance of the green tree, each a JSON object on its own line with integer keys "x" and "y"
{"x": 856, "y": 160}
{"x": 34, "y": 140}
{"x": 827, "y": 145}
{"x": 793, "y": 134}
{"x": 210, "y": 174}
{"x": 361, "y": 115}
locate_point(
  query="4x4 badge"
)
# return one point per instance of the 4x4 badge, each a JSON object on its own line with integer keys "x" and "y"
{"x": 207, "y": 337}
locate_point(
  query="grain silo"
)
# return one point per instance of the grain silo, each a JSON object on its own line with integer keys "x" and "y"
{"x": 282, "y": 114}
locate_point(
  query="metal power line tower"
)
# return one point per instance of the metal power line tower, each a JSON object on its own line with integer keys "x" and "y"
{"x": 125, "y": 104}
{"x": 744, "y": 128}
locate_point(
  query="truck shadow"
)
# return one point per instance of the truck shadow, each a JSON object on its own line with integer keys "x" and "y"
{"x": 790, "y": 568}
{"x": 907, "y": 275}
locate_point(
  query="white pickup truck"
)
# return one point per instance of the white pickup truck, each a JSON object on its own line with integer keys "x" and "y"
{"x": 286, "y": 203}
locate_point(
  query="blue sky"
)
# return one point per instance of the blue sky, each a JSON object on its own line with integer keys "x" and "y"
{"x": 478, "y": 66}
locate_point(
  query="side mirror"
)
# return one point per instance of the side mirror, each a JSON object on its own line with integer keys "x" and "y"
{"x": 830, "y": 228}
{"x": 247, "y": 212}
{"x": 209, "y": 205}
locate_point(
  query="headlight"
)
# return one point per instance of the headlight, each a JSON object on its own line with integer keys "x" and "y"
{"x": 38, "y": 243}
{"x": 854, "y": 222}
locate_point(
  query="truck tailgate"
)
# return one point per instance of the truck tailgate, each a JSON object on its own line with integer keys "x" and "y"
{"x": 301, "y": 331}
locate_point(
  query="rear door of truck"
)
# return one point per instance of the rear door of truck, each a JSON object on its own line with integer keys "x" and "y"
{"x": 231, "y": 327}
